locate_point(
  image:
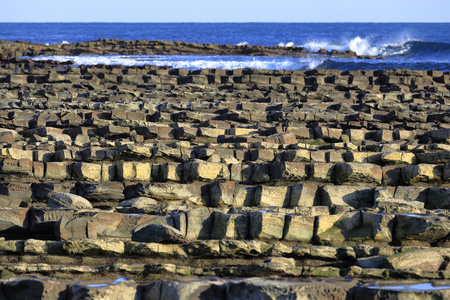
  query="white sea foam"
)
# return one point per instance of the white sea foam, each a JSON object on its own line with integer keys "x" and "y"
{"x": 64, "y": 42}
{"x": 193, "y": 62}
{"x": 289, "y": 44}
{"x": 245, "y": 43}
{"x": 315, "y": 46}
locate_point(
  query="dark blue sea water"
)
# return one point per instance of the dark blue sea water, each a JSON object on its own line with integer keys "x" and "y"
{"x": 423, "y": 46}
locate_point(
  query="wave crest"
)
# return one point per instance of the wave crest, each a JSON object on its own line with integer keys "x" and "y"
{"x": 404, "y": 46}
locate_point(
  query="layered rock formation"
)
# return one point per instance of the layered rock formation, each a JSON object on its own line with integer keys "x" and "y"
{"x": 164, "y": 174}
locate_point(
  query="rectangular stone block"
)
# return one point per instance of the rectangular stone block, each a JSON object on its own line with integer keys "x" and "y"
{"x": 57, "y": 170}
{"x": 222, "y": 193}
{"x": 300, "y": 80}
{"x": 18, "y": 79}
{"x": 171, "y": 171}
{"x": 87, "y": 171}
{"x": 211, "y": 132}
{"x": 299, "y": 155}
{"x": 38, "y": 170}
{"x": 358, "y": 173}
{"x": 321, "y": 172}
{"x": 109, "y": 172}
{"x": 199, "y": 224}
{"x": 356, "y": 135}
{"x": 300, "y": 132}
{"x": 18, "y": 191}
{"x": 17, "y": 154}
{"x": 244, "y": 195}
{"x": 438, "y": 157}
{"x": 21, "y": 167}
{"x": 362, "y": 157}
{"x": 354, "y": 196}
{"x": 303, "y": 195}
{"x": 398, "y": 157}
{"x": 336, "y": 229}
{"x": 111, "y": 131}
{"x": 391, "y": 175}
{"x": 143, "y": 171}
{"x": 278, "y": 196}
{"x": 14, "y": 220}
{"x": 193, "y": 193}
{"x": 230, "y": 226}
{"x": 383, "y": 136}
{"x": 414, "y": 193}
{"x": 126, "y": 171}
{"x": 288, "y": 171}
{"x": 318, "y": 156}
{"x": 262, "y": 155}
{"x": 261, "y": 79}
{"x": 421, "y": 173}
{"x": 205, "y": 171}
{"x": 381, "y": 226}
{"x": 260, "y": 173}
{"x": 266, "y": 225}
{"x": 43, "y": 155}
{"x": 438, "y": 198}
{"x": 241, "y": 131}
{"x": 236, "y": 172}
{"x": 299, "y": 228}
{"x": 335, "y": 156}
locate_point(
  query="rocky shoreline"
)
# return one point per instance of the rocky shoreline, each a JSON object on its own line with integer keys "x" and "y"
{"x": 150, "y": 47}
{"x": 190, "y": 184}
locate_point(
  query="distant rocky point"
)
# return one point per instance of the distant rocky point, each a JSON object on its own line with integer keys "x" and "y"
{"x": 158, "y": 47}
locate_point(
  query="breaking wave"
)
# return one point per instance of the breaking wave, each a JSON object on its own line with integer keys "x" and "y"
{"x": 362, "y": 46}
{"x": 366, "y": 46}
{"x": 193, "y": 62}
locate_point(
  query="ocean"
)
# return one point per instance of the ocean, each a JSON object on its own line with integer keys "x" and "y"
{"x": 420, "y": 46}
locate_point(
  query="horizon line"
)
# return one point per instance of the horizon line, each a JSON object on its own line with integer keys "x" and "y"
{"x": 229, "y": 22}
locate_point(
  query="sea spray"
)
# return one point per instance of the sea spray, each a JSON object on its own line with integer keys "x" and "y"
{"x": 361, "y": 46}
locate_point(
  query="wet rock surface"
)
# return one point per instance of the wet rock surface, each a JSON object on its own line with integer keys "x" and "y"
{"x": 302, "y": 179}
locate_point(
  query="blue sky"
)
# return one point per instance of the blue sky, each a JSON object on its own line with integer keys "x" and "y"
{"x": 225, "y": 11}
